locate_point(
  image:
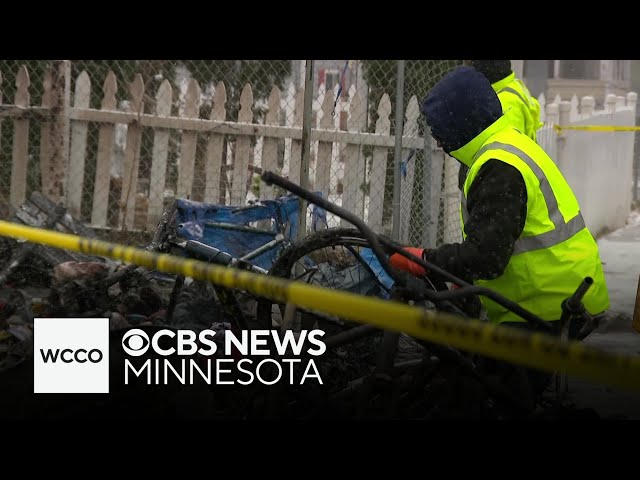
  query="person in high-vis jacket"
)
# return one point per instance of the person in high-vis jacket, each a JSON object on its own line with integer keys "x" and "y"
{"x": 523, "y": 233}
{"x": 519, "y": 106}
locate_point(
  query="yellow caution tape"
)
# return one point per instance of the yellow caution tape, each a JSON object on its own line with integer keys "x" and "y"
{"x": 598, "y": 128}
{"x": 536, "y": 350}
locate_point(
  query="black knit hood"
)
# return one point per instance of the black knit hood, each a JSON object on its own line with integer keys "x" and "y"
{"x": 494, "y": 70}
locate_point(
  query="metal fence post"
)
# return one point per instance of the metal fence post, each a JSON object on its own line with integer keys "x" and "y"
{"x": 66, "y": 126}
{"x": 427, "y": 181}
{"x": 397, "y": 157}
{"x": 306, "y": 144}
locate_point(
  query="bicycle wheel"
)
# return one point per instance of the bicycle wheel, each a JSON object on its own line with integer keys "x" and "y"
{"x": 340, "y": 258}
{"x": 337, "y": 258}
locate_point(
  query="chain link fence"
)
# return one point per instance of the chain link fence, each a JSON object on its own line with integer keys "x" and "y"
{"x": 364, "y": 181}
{"x": 118, "y": 140}
{"x": 10, "y": 77}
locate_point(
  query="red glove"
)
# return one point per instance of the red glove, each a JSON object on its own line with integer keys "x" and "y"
{"x": 403, "y": 263}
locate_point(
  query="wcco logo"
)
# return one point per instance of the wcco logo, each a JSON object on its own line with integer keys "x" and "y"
{"x": 68, "y": 356}
{"x": 71, "y": 355}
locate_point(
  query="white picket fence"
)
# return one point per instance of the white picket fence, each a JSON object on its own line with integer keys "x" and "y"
{"x": 121, "y": 125}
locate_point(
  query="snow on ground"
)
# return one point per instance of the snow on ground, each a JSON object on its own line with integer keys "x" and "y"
{"x": 632, "y": 221}
{"x": 620, "y": 254}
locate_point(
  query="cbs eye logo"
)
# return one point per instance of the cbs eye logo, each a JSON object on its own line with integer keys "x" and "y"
{"x": 135, "y": 342}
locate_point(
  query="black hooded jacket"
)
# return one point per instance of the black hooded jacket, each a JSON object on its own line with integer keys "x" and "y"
{"x": 458, "y": 108}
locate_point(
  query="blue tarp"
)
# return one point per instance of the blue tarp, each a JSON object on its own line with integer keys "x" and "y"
{"x": 370, "y": 259}
{"x": 354, "y": 278}
{"x": 196, "y": 221}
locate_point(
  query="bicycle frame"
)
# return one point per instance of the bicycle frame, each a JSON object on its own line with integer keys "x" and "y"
{"x": 227, "y": 297}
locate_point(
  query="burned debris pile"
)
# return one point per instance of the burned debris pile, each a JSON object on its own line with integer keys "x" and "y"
{"x": 46, "y": 282}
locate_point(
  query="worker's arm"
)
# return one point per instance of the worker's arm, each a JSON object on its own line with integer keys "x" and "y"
{"x": 497, "y": 206}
